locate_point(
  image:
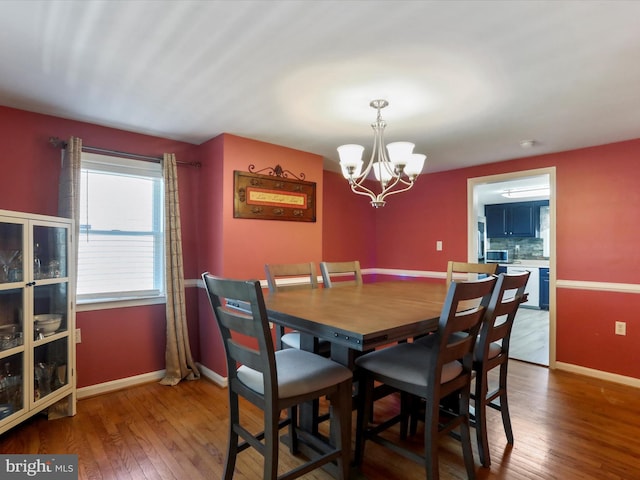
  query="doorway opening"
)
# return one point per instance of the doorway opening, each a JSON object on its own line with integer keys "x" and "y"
{"x": 533, "y": 335}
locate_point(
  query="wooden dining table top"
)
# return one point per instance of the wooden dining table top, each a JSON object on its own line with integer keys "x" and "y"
{"x": 361, "y": 317}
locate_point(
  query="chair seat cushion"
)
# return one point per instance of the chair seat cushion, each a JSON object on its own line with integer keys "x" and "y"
{"x": 494, "y": 350}
{"x": 292, "y": 340}
{"x": 299, "y": 372}
{"x": 407, "y": 362}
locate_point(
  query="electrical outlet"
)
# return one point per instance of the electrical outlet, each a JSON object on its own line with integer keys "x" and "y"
{"x": 78, "y": 336}
{"x": 621, "y": 328}
{"x": 439, "y": 245}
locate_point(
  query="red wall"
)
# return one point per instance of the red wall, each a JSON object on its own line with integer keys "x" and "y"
{"x": 585, "y": 330}
{"x": 408, "y": 227}
{"x": 598, "y": 213}
{"x": 348, "y": 231}
{"x": 249, "y": 244}
{"x": 209, "y": 207}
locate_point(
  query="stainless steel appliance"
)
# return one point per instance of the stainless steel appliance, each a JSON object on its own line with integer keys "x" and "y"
{"x": 497, "y": 256}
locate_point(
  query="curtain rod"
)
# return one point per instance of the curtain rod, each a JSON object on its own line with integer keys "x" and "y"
{"x": 56, "y": 142}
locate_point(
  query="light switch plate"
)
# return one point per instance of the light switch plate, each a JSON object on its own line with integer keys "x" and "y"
{"x": 439, "y": 245}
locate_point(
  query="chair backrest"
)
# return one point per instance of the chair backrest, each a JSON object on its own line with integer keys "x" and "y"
{"x": 349, "y": 272}
{"x": 258, "y": 353}
{"x": 466, "y": 267}
{"x": 291, "y": 276}
{"x": 507, "y": 296}
{"x": 458, "y": 327}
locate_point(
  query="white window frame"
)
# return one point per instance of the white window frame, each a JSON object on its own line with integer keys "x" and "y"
{"x": 137, "y": 168}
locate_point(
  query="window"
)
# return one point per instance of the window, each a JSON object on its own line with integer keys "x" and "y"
{"x": 121, "y": 244}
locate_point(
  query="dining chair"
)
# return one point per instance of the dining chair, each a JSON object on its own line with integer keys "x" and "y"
{"x": 274, "y": 381}
{"x": 348, "y": 272}
{"x": 436, "y": 368}
{"x": 492, "y": 351}
{"x": 291, "y": 276}
{"x": 466, "y": 267}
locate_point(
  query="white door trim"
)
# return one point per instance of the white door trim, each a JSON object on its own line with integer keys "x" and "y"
{"x": 472, "y": 247}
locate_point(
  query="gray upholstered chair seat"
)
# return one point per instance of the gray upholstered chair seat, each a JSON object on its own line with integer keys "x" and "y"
{"x": 299, "y": 372}
{"x": 406, "y": 362}
{"x": 291, "y": 340}
{"x": 494, "y": 349}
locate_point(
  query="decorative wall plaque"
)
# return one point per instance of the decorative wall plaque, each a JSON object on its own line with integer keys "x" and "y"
{"x": 275, "y": 196}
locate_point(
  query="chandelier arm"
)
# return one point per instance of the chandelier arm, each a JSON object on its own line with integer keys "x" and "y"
{"x": 409, "y": 183}
{"x": 358, "y": 183}
{"x": 363, "y": 191}
{"x": 393, "y": 192}
{"x": 389, "y": 186}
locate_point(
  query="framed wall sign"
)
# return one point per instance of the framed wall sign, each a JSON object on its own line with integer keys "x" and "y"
{"x": 273, "y": 197}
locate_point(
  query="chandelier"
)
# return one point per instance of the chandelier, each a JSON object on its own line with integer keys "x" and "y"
{"x": 394, "y": 173}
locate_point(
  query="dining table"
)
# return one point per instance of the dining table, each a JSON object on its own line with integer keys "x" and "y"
{"x": 355, "y": 320}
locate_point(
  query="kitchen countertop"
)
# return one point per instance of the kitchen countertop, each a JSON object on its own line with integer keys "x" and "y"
{"x": 527, "y": 263}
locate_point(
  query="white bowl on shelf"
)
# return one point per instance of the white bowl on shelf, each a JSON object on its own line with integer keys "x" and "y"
{"x": 47, "y": 323}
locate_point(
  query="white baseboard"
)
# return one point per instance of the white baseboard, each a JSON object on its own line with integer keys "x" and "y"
{"x": 213, "y": 376}
{"x": 590, "y": 372}
{"x": 119, "y": 384}
{"x": 128, "y": 382}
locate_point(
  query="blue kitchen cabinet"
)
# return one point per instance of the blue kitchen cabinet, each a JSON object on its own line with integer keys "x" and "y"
{"x": 520, "y": 219}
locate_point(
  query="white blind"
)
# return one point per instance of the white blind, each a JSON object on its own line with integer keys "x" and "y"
{"x": 121, "y": 229}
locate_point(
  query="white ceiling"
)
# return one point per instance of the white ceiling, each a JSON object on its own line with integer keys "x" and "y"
{"x": 466, "y": 80}
{"x": 489, "y": 193}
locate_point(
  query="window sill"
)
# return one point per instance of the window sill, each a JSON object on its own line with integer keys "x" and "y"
{"x": 105, "y": 304}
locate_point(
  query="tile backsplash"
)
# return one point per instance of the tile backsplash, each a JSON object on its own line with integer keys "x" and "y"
{"x": 520, "y": 248}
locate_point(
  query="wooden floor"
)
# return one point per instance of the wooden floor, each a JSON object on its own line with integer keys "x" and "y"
{"x": 566, "y": 427}
{"x": 530, "y": 336}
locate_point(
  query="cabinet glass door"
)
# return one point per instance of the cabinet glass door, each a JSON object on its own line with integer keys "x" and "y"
{"x": 12, "y": 306}
{"x": 49, "y": 252}
{"x": 11, "y": 319}
{"x": 50, "y": 367}
{"x": 50, "y": 310}
{"x": 11, "y": 385}
{"x": 11, "y": 252}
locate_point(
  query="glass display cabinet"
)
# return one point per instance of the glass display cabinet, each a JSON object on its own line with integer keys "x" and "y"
{"x": 37, "y": 317}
